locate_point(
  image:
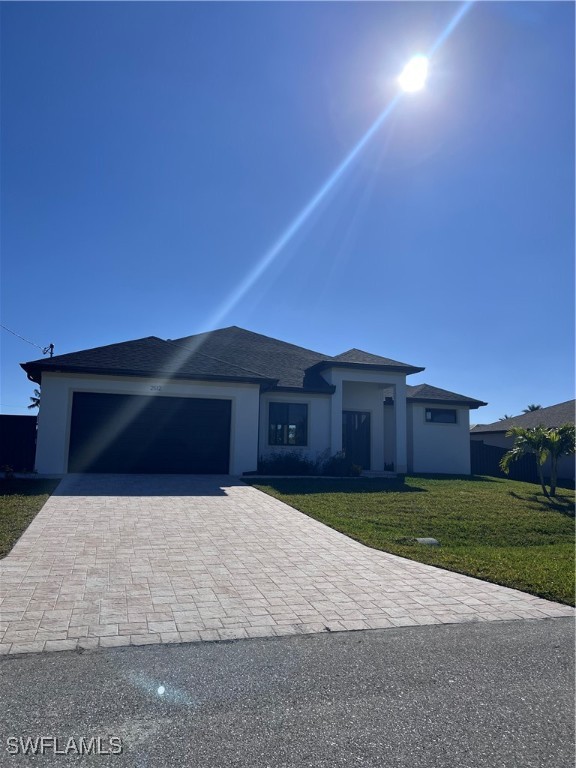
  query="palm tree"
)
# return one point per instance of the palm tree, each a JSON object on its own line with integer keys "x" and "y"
{"x": 561, "y": 442}
{"x": 526, "y": 441}
{"x": 35, "y": 398}
{"x": 506, "y": 416}
{"x": 543, "y": 443}
{"x": 532, "y": 407}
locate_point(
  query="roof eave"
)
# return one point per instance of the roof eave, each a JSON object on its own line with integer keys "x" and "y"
{"x": 472, "y": 404}
{"x": 35, "y": 374}
{"x": 329, "y": 389}
{"x": 407, "y": 369}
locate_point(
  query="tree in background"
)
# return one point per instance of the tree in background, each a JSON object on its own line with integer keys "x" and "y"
{"x": 532, "y": 407}
{"x": 35, "y": 399}
{"x": 543, "y": 443}
{"x": 506, "y": 416}
{"x": 561, "y": 442}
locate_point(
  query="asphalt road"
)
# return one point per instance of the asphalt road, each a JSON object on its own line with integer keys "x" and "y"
{"x": 466, "y": 695}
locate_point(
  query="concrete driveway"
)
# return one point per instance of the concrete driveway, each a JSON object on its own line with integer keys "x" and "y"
{"x": 116, "y": 560}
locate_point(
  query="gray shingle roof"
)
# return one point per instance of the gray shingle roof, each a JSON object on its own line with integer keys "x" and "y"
{"x": 230, "y": 353}
{"x": 359, "y": 356}
{"x": 294, "y": 367}
{"x": 553, "y": 416}
{"x": 425, "y": 393}
{"x": 272, "y": 358}
{"x": 149, "y": 356}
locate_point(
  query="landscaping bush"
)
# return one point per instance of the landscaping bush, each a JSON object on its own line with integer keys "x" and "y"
{"x": 293, "y": 463}
{"x": 339, "y": 466}
{"x": 290, "y": 463}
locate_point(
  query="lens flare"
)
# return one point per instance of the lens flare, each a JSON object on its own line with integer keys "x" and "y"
{"x": 413, "y": 76}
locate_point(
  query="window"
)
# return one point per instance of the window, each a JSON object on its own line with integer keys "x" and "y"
{"x": 288, "y": 424}
{"x": 441, "y": 415}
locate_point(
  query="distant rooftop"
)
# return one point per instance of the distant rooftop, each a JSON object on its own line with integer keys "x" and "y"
{"x": 552, "y": 416}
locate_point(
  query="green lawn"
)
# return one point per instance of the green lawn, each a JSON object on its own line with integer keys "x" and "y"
{"x": 20, "y": 501}
{"x": 498, "y": 530}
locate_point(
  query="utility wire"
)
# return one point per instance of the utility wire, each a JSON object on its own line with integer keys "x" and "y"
{"x": 45, "y": 350}
{"x": 21, "y": 337}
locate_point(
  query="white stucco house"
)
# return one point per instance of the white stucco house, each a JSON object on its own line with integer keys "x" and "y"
{"x": 217, "y": 402}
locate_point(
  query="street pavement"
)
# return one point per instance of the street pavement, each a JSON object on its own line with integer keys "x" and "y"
{"x": 498, "y": 694}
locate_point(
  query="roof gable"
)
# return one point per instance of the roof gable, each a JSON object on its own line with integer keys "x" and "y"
{"x": 271, "y": 358}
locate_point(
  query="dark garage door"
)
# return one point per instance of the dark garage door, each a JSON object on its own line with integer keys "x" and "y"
{"x": 136, "y": 433}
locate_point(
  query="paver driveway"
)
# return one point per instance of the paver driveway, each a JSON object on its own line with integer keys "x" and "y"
{"x": 132, "y": 559}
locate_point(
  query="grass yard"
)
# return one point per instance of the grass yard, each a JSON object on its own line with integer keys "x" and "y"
{"x": 20, "y": 501}
{"x": 498, "y": 530}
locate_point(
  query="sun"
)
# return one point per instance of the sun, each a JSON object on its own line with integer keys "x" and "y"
{"x": 413, "y": 76}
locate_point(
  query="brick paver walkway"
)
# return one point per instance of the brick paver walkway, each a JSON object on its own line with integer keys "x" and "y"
{"x": 116, "y": 560}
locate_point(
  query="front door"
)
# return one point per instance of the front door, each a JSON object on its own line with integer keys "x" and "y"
{"x": 356, "y": 437}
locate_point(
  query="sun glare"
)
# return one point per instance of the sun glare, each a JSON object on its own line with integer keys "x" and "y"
{"x": 413, "y": 76}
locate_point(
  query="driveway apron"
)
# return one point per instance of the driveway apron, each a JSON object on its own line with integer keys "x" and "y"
{"x": 115, "y": 560}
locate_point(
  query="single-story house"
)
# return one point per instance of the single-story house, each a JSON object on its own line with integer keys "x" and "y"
{"x": 552, "y": 416}
{"x": 216, "y": 402}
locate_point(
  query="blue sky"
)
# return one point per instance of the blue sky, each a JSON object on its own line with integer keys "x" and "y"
{"x": 152, "y": 154}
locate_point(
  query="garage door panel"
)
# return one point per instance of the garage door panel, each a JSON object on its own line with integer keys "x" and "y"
{"x": 122, "y": 433}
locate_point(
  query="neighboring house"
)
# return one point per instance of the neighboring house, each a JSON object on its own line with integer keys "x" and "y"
{"x": 553, "y": 416}
{"x": 18, "y": 443}
{"x": 216, "y": 402}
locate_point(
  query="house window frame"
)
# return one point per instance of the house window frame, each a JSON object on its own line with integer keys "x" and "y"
{"x": 444, "y": 410}
{"x": 271, "y": 421}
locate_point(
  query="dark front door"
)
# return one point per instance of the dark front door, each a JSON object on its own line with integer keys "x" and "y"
{"x": 138, "y": 433}
{"x": 356, "y": 437}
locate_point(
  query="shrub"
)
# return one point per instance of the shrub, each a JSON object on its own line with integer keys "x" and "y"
{"x": 289, "y": 463}
{"x": 339, "y": 466}
{"x": 8, "y": 472}
{"x": 293, "y": 463}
